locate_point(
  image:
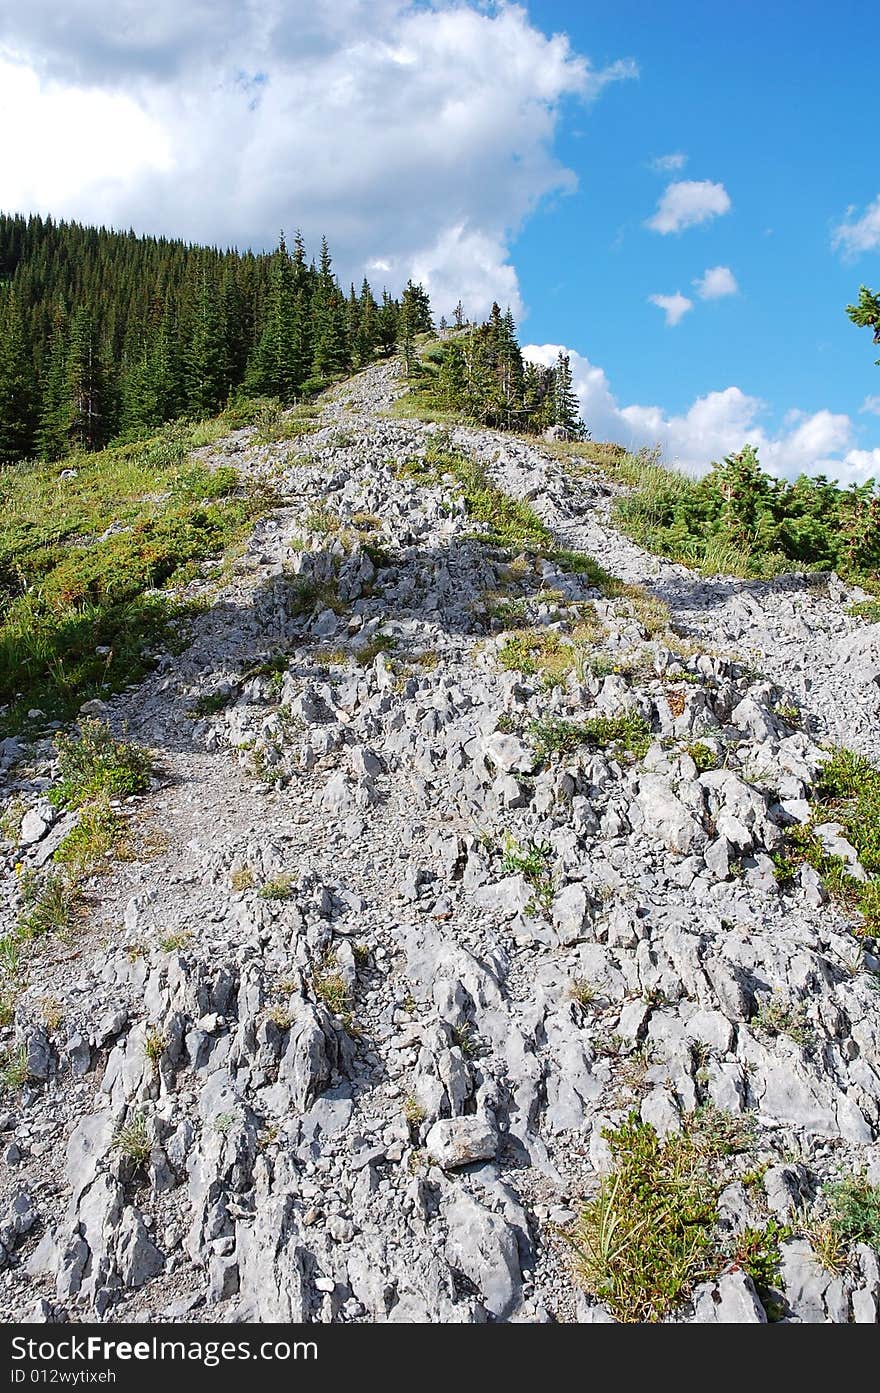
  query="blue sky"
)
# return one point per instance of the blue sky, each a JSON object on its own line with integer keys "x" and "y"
{"x": 508, "y": 151}
{"x": 767, "y": 100}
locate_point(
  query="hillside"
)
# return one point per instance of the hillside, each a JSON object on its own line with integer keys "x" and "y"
{"x": 464, "y": 885}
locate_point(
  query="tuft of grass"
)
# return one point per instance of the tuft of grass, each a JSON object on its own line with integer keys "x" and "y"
{"x": 780, "y": 1017}
{"x": 14, "y": 1069}
{"x": 49, "y": 906}
{"x": 280, "y": 888}
{"x": 582, "y": 991}
{"x": 132, "y": 1139}
{"x": 413, "y": 1111}
{"x": 379, "y": 643}
{"x": 330, "y": 987}
{"x": 869, "y": 610}
{"x": 704, "y": 756}
{"x": 242, "y": 879}
{"x": 848, "y": 792}
{"x": 629, "y": 733}
{"x": 209, "y": 703}
{"x": 99, "y": 835}
{"x": 280, "y": 1017}
{"x": 533, "y": 862}
{"x": 174, "y": 942}
{"x": 155, "y": 1045}
{"x": 855, "y": 1210}
{"x": 647, "y": 1237}
{"x": 94, "y": 764}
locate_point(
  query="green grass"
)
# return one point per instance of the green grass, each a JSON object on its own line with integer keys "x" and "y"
{"x": 132, "y": 1139}
{"x": 647, "y": 1237}
{"x": 49, "y": 905}
{"x": 855, "y": 1211}
{"x": 869, "y": 610}
{"x": 88, "y": 564}
{"x": 280, "y": 888}
{"x": 847, "y": 791}
{"x": 331, "y": 988}
{"x": 704, "y": 756}
{"x": 533, "y": 862}
{"x": 14, "y": 1069}
{"x": 99, "y": 836}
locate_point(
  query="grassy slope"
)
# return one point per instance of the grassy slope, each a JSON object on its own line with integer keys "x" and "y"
{"x": 93, "y": 552}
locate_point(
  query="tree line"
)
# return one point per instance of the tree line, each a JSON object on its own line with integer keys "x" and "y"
{"x": 106, "y": 335}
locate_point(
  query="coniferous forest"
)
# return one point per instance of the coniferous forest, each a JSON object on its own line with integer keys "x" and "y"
{"x": 106, "y": 335}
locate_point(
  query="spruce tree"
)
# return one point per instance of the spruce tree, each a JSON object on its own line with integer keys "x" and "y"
{"x": 52, "y": 439}
{"x": 866, "y": 314}
{"x": 18, "y": 406}
{"x": 566, "y": 408}
{"x": 88, "y": 389}
{"x": 206, "y": 369}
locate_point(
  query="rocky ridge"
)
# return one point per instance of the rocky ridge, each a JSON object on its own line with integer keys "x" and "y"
{"x": 344, "y": 1047}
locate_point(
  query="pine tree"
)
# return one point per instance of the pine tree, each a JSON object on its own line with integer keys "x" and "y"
{"x": 386, "y": 323}
{"x": 417, "y": 306}
{"x": 52, "y": 439}
{"x": 330, "y": 352}
{"x": 866, "y": 314}
{"x": 88, "y": 391}
{"x": 276, "y": 367}
{"x": 206, "y": 369}
{"x": 18, "y": 407}
{"x": 368, "y": 328}
{"x": 566, "y": 408}
{"x": 458, "y": 315}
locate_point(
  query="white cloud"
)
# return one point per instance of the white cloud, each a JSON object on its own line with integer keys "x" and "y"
{"x": 368, "y": 120}
{"x": 688, "y": 202}
{"x": 716, "y": 282}
{"x": 715, "y": 425}
{"x": 675, "y": 307}
{"x": 668, "y": 164}
{"x": 871, "y": 404}
{"x": 855, "y": 235}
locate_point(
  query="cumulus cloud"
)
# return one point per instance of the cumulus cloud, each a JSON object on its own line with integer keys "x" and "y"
{"x": 418, "y": 136}
{"x": 669, "y": 164}
{"x": 688, "y": 202}
{"x": 856, "y": 235}
{"x": 675, "y": 307}
{"x": 716, "y": 282}
{"x": 871, "y": 404}
{"x": 715, "y": 425}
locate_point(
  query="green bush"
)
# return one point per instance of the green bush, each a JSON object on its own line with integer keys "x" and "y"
{"x": 739, "y": 520}
{"x": 95, "y": 764}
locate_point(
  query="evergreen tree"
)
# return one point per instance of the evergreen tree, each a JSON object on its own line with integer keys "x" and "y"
{"x": 386, "y": 323}
{"x": 866, "y": 314}
{"x": 88, "y": 414}
{"x": 417, "y": 307}
{"x": 276, "y": 367}
{"x": 52, "y": 439}
{"x": 566, "y": 408}
{"x": 18, "y": 406}
{"x": 330, "y": 351}
{"x": 368, "y": 326}
{"x": 206, "y": 368}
